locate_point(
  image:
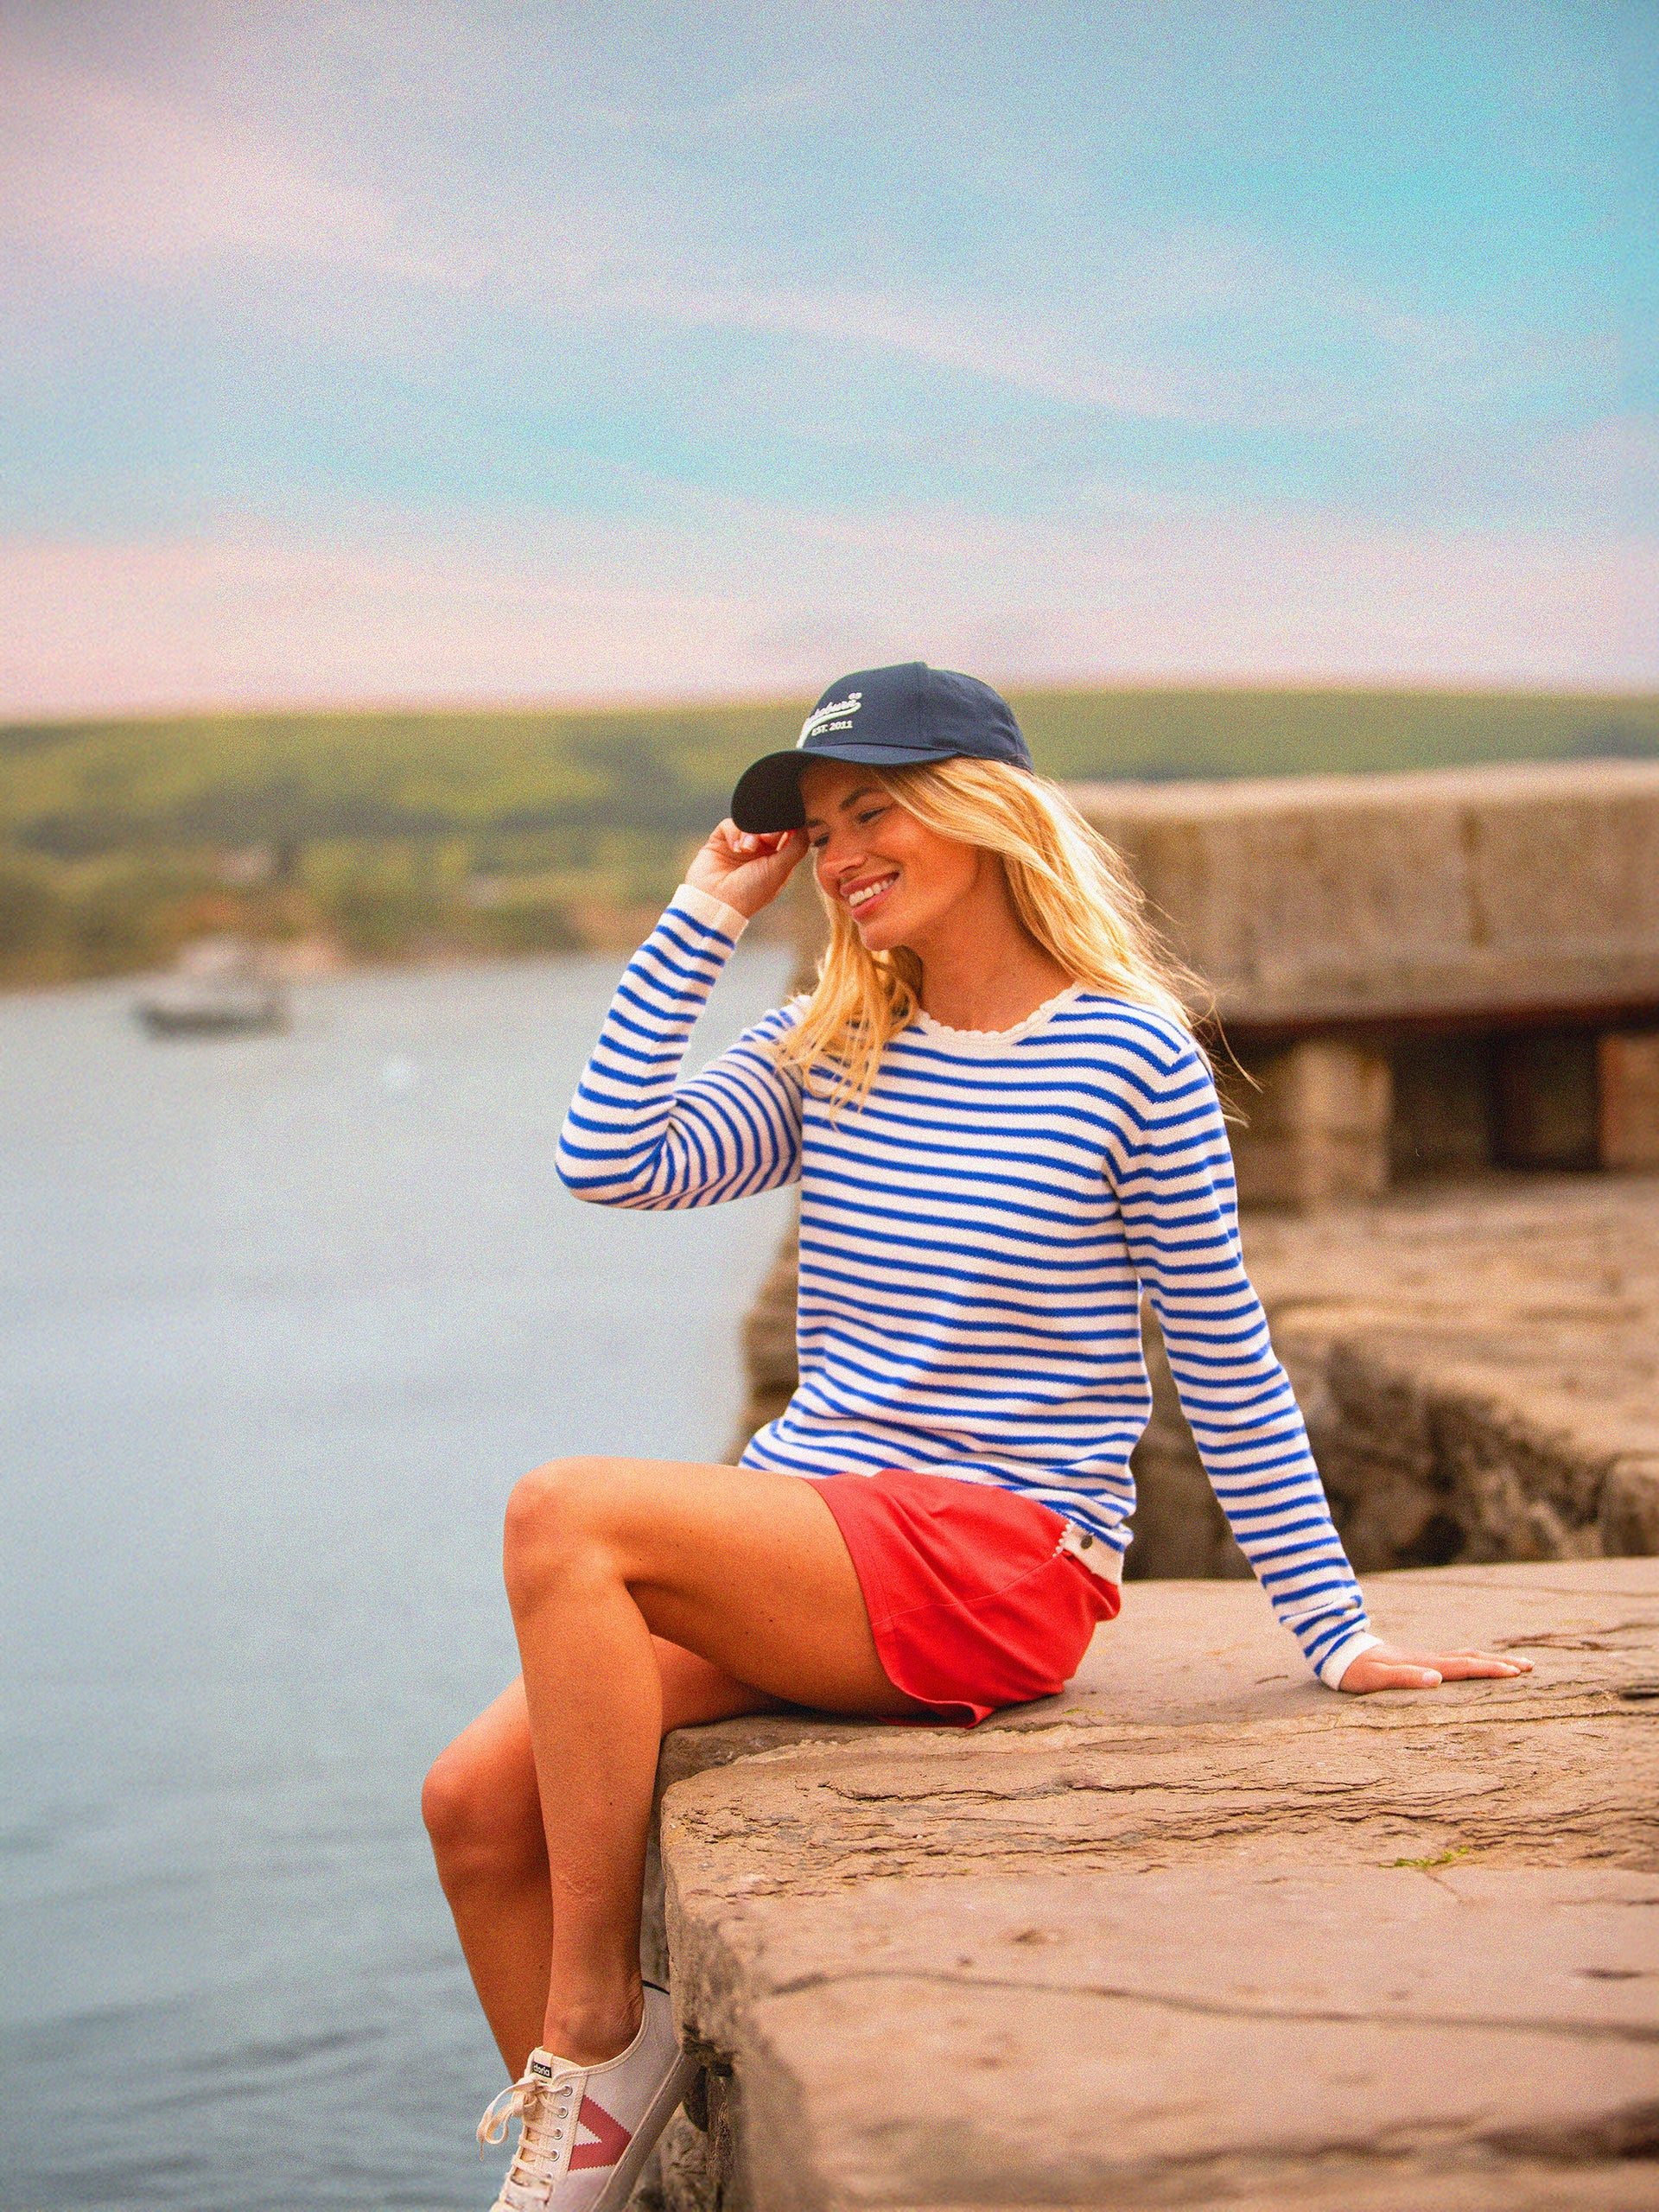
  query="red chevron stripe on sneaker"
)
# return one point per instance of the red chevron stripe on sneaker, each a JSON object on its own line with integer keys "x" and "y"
{"x": 610, "y": 2140}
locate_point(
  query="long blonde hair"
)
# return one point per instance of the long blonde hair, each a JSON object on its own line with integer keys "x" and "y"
{"x": 1070, "y": 889}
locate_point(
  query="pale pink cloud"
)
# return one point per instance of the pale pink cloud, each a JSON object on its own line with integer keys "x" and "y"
{"x": 757, "y": 600}
{"x": 115, "y": 175}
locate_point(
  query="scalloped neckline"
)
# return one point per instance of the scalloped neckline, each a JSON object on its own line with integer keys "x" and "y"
{"x": 933, "y": 1027}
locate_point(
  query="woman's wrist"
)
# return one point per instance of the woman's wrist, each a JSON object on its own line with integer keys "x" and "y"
{"x": 1338, "y": 1662}
{"x": 709, "y": 908}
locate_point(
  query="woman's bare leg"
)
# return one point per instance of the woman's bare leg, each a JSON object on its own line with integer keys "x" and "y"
{"x": 749, "y": 1571}
{"x": 485, "y": 1818}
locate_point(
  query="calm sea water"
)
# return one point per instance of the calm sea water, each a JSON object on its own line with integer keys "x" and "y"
{"x": 283, "y": 1319}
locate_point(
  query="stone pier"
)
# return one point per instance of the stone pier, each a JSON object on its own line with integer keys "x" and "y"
{"x": 1198, "y": 1932}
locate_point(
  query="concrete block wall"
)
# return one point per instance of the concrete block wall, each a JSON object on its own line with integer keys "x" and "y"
{"x": 1422, "y": 972}
{"x": 1481, "y": 891}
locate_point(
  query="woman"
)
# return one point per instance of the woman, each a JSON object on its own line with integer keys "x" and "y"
{"x": 1003, "y": 1130}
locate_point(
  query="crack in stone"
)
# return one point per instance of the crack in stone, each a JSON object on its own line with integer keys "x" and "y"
{"x": 1407, "y": 1818}
{"x": 1579, "y": 2030}
{"x": 1574, "y": 1639}
{"x": 1270, "y": 1784}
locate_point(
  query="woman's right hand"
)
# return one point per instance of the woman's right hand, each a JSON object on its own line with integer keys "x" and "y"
{"x": 745, "y": 869}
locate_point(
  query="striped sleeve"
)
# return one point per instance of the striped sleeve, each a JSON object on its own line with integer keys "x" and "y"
{"x": 635, "y": 1136}
{"x": 1175, "y": 1189}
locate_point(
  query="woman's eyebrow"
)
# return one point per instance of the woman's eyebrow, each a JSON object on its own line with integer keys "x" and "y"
{"x": 864, "y": 791}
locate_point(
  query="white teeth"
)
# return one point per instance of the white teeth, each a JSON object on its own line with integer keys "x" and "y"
{"x": 868, "y": 891}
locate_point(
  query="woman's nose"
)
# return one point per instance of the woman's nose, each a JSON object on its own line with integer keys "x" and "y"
{"x": 838, "y": 856}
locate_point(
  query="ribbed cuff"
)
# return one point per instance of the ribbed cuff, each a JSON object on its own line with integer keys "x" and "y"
{"x": 1344, "y": 1657}
{"x": 707, "y": 908}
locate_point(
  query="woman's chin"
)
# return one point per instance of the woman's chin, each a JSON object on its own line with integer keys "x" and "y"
{"x": 877, "y": 935}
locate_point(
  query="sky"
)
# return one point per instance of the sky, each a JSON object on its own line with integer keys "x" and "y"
{"x": 360, "y": 351}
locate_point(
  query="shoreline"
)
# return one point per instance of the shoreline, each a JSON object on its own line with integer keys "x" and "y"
{"x": 620, "y": 932}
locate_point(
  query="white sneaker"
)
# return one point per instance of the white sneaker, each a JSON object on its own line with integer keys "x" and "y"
{"x": 586, "y": 2131}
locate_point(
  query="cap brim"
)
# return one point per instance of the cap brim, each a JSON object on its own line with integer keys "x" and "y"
{"x": 768, "y": 795}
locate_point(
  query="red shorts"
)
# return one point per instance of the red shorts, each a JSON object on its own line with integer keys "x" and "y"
{"x": 972, "y": 1602}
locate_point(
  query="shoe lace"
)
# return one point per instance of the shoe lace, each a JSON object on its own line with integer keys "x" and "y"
{"x": 545, "y": 2112}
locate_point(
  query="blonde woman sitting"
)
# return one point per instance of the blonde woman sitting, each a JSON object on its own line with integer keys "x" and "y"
{"x": 1004, "y": 1132}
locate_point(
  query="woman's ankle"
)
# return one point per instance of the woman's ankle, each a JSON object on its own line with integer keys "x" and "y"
{"x": 596, "y": 2026}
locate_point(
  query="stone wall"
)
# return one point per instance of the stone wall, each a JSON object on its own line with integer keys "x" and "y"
{"x": 1478, "y": 892}
{"x": 1417, "y": 973}
{"x": 1196, "y": 1933}
{"x": 1479, "y": 1371}
{"x": 1479, "y": 1368}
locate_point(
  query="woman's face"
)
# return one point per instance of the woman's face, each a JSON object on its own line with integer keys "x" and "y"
{"x": 898, "y": 879}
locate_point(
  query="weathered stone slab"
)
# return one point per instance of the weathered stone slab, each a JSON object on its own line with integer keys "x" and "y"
{"x": 1196, "y": 1931}
{"x": 1343, "y": 898}
{"x": 1096, "y": 2043}
{"x": 1479, "y": 1368}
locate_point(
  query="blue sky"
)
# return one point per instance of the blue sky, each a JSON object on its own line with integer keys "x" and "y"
{"x": 479, "y": 351}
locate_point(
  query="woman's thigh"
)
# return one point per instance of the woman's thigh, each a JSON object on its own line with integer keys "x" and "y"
{"x": 744, "y": 1568}
{"x": 695, "y": 1690}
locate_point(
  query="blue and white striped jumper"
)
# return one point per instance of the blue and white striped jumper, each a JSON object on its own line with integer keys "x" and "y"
{"x": 974, "y": 1238}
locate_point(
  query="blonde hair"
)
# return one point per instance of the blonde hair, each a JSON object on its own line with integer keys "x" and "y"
{"x": 1069, "y": 888}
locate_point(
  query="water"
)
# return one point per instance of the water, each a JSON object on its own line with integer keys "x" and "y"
{"x": 283, "y": 1319}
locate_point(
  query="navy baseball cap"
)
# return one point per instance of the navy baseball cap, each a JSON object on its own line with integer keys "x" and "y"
{"x": 887, "y": 718}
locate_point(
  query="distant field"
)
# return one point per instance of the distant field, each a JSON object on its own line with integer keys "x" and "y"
{"x": 502, "y": 831}
{"x": 71, "y": 790}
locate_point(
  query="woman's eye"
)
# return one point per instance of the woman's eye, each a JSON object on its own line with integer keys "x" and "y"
{"x": 874, "y": 815}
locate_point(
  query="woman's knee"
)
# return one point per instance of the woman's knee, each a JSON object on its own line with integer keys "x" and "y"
{"x": 555, "y": 1520}
{"x": 482, "y": 1821}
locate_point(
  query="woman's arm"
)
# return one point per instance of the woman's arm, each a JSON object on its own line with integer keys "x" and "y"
{"x": 635, "y": 1136}
{"x": 1174, "y": 1183}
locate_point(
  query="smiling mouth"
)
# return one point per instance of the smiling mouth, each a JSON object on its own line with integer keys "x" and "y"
{"x": 866, "y": 892}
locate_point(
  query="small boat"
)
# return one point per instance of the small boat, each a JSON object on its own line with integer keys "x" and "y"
{"x": 217, "y": 989}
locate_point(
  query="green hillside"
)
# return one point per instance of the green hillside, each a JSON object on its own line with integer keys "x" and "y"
{"x": 118, "y": 838}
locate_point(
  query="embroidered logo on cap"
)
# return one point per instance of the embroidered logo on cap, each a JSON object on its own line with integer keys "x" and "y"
{"x": 837, "y": 715}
